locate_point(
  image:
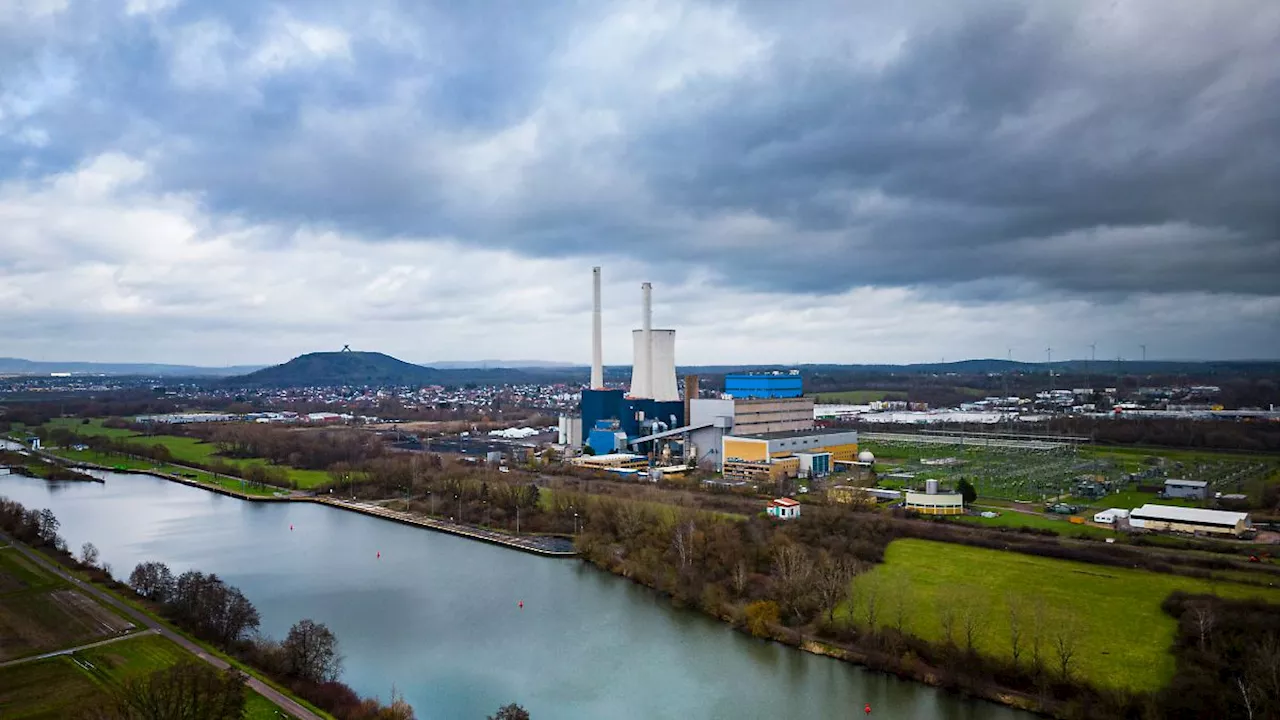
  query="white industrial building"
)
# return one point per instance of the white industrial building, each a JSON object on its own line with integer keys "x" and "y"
{"x": 1110, "y": 516}
{"x": 1170, "y": 518}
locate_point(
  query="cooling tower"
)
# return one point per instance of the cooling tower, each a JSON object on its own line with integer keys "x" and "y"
{"x": 657, "y": 381}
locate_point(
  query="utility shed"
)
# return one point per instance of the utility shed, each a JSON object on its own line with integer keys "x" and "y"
{"x": 1110, "y": 516}
{"x": 1194, "y": 489}
{"x": 1168, "y": 518}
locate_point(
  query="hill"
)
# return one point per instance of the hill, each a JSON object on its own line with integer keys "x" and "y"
{"x": 20, "y": 366}
{"x": 342, "y": 368}
{"x": 330, "y": 369}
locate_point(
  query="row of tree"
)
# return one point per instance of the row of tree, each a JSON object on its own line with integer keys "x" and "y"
{"x": 807, "y": 580}
{"x": 307, "y": 659}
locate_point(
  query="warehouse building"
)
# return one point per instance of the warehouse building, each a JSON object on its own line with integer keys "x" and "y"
{"x": 1168, "y": 518}
{"x": 1192, "y": 489}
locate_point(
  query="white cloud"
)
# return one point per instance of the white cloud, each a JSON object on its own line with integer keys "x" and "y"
{"x": 292, "y": 44}
{"x": 18, "y": 12}
{"x": 149, "y": 7}
{"x": 202, "y": 54}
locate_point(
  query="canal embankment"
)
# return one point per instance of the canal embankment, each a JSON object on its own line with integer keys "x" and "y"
{"x": 549, "y": 546}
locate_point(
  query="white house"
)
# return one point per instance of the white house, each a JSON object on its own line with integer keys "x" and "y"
{"x": 1110, "y": 516}
{"x": 784, "y": 509}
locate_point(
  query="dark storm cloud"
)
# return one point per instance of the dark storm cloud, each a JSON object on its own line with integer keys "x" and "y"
{"x": 990, "y": 150}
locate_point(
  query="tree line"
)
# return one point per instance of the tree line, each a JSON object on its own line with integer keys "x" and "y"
{"x": 307, "y": 660}
{"x": 808, "y": 581}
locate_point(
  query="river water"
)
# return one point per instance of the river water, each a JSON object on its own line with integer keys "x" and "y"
{"x": 438, "y": 617}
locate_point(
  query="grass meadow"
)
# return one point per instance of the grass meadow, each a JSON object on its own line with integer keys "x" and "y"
{"x": 1122, "y": 637}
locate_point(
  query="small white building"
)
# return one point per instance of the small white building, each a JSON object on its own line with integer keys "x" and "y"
{"x": 1110, "y": 516}
{"x": 783, "y": 509}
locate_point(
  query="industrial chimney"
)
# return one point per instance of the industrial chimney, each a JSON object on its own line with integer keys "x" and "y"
{"x": 597, "y": 344}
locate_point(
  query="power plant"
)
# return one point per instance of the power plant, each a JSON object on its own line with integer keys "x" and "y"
{"x": 759, "y": 430}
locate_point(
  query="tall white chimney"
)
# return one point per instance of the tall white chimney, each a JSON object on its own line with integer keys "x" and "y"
{"x": 597, "y": 344}
{"x": 646, "y": 301}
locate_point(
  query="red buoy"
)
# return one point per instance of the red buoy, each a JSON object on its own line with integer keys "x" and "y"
{"x": 521, "y": 604}
{"x": 379, "y": 553}
{"x": 290, "y": 526}
{"x": 867, "y": 709}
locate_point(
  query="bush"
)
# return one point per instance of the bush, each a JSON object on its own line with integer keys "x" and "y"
{"x": 762, "y": 616}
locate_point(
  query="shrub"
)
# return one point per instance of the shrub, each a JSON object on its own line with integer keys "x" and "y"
{"x": 762, "y": 616}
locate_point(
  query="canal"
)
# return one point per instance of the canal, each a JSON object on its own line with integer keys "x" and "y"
{"x": 438, "y": 617}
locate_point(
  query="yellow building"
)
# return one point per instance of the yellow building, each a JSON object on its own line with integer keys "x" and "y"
{"x": 773, "y": 456}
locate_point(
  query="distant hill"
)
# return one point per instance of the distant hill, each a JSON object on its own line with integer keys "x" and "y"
{"x": 328, "y": 369}
{"x": 34, "y": 367}
{"x": 342, "y": 368}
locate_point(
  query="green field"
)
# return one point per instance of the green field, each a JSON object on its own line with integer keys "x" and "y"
{"x": 1058, "y": 524}
{"x": 18, "y": 573}
{"x": 1121, "y": 635}
{"x": 39, "y": 613}
{"x": 182, "y": 449}
{"x": 60, "y": 687}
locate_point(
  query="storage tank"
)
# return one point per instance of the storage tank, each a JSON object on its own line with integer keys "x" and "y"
{"x": 931, "y": 487}
{"x": 866, "y": 457}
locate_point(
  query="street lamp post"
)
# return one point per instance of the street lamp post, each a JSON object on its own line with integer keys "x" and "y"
{"x": 459, "y": 499}
{"x": 575, "y": 522}
{"x": 517, "y": 519}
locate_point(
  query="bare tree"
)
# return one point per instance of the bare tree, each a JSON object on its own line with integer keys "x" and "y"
{"x": 740, "y": 576}
{"x": 869, "y": 589}
{"x": 311, "y": 652}
{"x": 89, "y": 554}
{"x": 682, "y": 542}
{"x": 1015, "y": 607}
{"x": 1246, "y": 696}
{"x": 1065, "y": 642}
{"x": 947, "y": 618}
{"x": 834, "y": 578}
{"x": 972, "y": 619}
{"x": 792, "y": 570}
{"x": 1037, "y": 635}
{"x": 1203, "y": 617}
{"x": 190, "y": 690}
{"x": 901, "y": 593}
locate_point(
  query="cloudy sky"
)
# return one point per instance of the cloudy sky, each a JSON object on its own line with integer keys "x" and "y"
{"x": 241, "y": 181}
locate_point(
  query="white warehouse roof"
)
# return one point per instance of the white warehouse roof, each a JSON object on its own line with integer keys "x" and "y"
{"x": 1187, "y": 483}
{"x": 1173, "y": 513}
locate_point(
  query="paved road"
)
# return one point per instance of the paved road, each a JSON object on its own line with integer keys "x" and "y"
{"x": 280, "y": 699}
{"x": 78, "y": 648}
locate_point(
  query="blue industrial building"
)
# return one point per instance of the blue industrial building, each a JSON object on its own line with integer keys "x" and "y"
{"x": 763, "y": 385}
{"x": 633, "y": 416}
